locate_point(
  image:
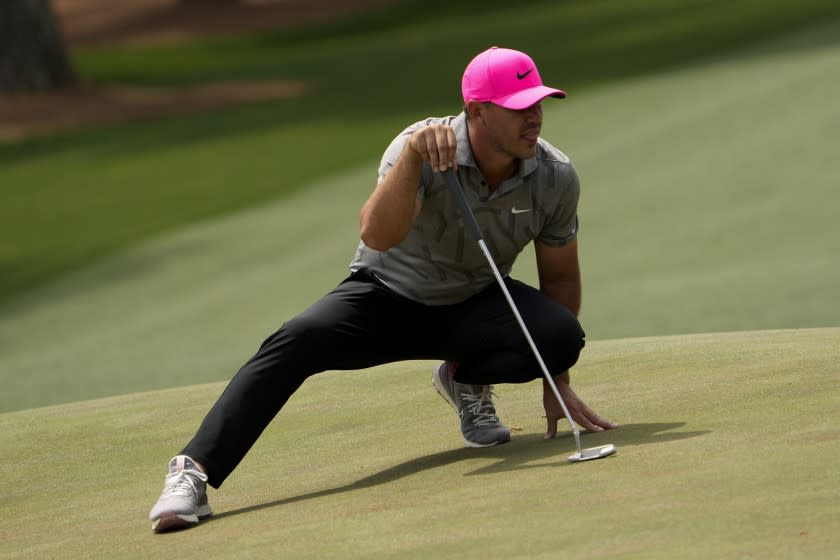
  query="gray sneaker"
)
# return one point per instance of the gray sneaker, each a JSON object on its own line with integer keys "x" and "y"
{"x": 480, "y": 427}
{"x": 184, "y": 499}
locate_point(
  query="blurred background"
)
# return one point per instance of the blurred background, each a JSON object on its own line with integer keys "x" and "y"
{"x": 179, "y": 177}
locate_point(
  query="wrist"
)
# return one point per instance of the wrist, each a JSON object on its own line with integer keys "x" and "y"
{"x": 558, "y": 378}
{"x": 412, "y": 154}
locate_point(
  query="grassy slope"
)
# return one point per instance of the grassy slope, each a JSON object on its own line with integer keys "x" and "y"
{"x": 710, "y": 193}
{"x": 728, "y": 449}
{"x": 700, "y": 213}
{"x": 72, "y": 200}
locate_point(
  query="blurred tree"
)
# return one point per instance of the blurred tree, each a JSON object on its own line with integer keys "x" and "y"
{"x": 33, "y": 55}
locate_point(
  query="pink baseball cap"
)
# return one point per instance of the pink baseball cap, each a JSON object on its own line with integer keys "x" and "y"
{"x": 507, "y": 78}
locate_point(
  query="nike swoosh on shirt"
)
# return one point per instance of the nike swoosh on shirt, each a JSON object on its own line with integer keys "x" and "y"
{"x": 516, "y": 210}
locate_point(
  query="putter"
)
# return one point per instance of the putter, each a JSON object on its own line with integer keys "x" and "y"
{"x": 466, "y": 213}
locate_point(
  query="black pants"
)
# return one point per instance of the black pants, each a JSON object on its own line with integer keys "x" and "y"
{"x": 360, "y": 324}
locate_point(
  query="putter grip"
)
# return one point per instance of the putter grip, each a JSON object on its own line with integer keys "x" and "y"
{"x": 466, "y": 213}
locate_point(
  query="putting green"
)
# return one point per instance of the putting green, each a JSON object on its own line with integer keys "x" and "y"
{"x": 728, "y": 449}
{"x": 700, "y": 213}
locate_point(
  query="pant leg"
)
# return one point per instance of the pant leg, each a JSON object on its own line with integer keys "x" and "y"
{"x": 491, "y": 346}
{"x": 359, "y": 324}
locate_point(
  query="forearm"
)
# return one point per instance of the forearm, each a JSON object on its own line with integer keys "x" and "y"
{"x": 559, "y": 274}
{"x": 390, "y": 211}
{"x": 566, "y": 292}
{"x": 558, "y": 378}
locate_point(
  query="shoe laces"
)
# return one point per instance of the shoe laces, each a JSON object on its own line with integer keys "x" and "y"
{"x": 183, "y": 483}
{"x": 480, "y": 406}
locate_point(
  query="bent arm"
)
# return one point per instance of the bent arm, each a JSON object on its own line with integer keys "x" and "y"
{"x": 390, "y": 211}
{"x": 393, "y": 206}
{"x": 559, "y": 274}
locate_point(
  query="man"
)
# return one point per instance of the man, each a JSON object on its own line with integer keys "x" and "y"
{"x": 421, "y": 289}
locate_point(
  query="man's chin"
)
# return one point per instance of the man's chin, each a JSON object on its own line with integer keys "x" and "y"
{"x": 528, "y": 153}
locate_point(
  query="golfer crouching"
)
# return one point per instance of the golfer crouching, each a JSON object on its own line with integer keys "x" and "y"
{"x": 420, "y": 288}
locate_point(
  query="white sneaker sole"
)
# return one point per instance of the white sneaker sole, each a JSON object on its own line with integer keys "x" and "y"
{"x": 468, "y": 443}
{"x": 172, "y": 521}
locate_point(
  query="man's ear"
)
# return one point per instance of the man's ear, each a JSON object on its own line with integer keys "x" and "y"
{"x": 475, "y": 109}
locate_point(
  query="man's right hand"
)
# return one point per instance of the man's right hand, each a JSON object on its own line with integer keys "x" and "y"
{"x": 436, "y": 144}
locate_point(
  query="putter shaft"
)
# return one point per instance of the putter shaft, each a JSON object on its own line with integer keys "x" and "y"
{"x": 454, "y": 186}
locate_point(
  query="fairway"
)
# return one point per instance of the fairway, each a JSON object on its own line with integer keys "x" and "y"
{"x": 728, "y": 449}
{"x": 683, "y": 197}
{"x": 142, "y": 264}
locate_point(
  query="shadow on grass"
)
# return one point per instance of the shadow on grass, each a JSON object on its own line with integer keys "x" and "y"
{"x": 524, "y": 452}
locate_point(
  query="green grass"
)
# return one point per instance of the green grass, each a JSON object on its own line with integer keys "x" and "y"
{"x": 728, "y": 449}
{"x": 709, "y": 193}
{"x": 699, "y": 213}
{"x": 72, "y": 200}
{"x": 708, "y": 205}
{"x": 584, "y": 41}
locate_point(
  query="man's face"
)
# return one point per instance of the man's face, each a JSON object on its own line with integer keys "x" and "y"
{"x": 513, "y": 132}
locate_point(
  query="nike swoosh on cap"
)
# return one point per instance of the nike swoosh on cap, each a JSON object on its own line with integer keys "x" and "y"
{"x": 522, "y": 75}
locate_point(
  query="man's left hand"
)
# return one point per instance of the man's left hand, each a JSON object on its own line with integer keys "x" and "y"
{"x": 581, "y": 413}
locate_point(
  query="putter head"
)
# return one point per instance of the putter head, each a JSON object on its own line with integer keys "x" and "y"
{"x": 593, "y": 453}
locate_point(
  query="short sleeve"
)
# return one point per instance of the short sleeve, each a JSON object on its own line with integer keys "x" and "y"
{"x": 561, "y": 227}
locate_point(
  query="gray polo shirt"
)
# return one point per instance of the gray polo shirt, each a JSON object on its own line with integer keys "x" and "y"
{"x": 439, "y": 262}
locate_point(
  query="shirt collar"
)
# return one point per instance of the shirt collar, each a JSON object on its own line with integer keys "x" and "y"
{"x": 463, "y": 151}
